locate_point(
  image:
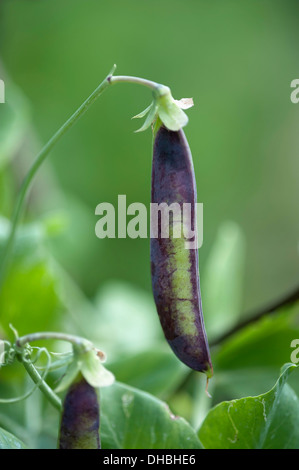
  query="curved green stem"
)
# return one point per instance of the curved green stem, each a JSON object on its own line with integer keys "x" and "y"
{"x": 36, "y": 165}
{"x": 137, "y": 80}
{"x": 75, "y": 340}
{"x": 78, "y": 343}
{"x": 43, "y": 386}
{"x": 22, "y": 342}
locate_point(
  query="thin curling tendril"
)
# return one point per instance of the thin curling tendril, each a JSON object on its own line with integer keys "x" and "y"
{"x": 38, "y": 384}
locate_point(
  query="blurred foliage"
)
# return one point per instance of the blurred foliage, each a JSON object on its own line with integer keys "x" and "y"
{"x": 29, "y": 295}
{"x": 237, "y": 61}
{"x": 249, "y": 361}
{"x": 222, "y": 288}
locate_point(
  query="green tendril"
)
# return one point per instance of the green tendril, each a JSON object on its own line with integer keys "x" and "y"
{"x": 37, "y": 384}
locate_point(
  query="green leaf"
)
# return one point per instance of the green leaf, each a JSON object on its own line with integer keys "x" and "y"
{"x": 9, "y": 441}
{"x": 264, "y": 343}
{"x": 131, "y": 419}
{"x": 222, "y": 282}
{"x": 267, "y": 421}
{"x": 30, "y": 297}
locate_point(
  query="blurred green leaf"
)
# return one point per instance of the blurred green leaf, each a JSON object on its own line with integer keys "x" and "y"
{"x": 28, "y": 240}
{"x": 131, "y": 419}
{"x": 222, "y": 285}
{"x": 267, "y": 421}
{"x": 9, "y": 441}
{"x": 126, "y": 320}
{"x": 155, "y": 371}
{"x": 29, "y": 298}
{"x": 263, "y": 343}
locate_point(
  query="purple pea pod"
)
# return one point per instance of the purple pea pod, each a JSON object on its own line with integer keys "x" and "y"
{"x": 174, "y": 260}
{"x": 80, "y": 420}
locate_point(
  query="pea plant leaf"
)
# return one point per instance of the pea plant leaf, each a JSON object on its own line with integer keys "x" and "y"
{"x": 256, "y": 351}
{"x": 267, "y": 421}
{"x": 29, "y": 299}
{"x": 132, "y": 419}
{"x": 31, "y": 293}
{"x": 9, "y": 441}
{"x": 267, "y": 340}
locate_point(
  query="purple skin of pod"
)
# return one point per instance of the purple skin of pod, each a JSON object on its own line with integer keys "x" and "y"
{"x": 174, "y": 267}
{"x": 80, "y": 420}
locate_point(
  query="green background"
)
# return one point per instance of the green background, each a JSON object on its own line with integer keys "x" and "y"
{"x": 236, "y": 59}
